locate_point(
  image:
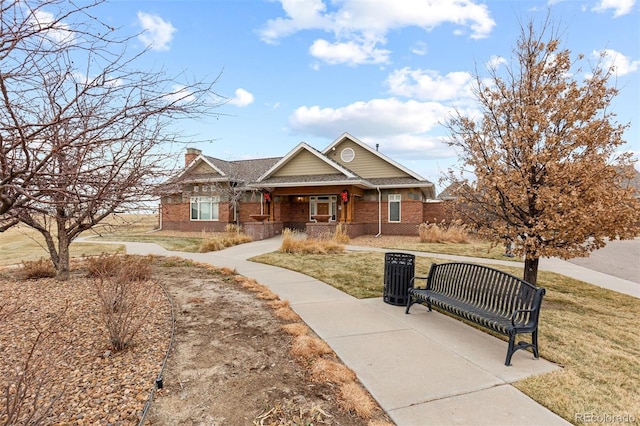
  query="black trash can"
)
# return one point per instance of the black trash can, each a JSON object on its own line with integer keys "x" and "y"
{"x": 399, "y": 268}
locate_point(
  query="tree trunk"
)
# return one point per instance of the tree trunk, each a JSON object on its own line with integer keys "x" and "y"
{"x": 531, "y": 270}
{"x": 63, "y": 257}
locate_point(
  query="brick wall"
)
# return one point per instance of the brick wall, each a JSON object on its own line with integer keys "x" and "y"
{"x": 296, "y": 215}
{"x": 433, "y": 212}
{"x": 177, "y": 217}
{"x": 411, "y": 215}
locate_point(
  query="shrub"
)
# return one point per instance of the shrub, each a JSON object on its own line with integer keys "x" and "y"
{"x": 36, "y": 269}
{"x": 133, "y": 268}
{"x": 354, "y": 399}
{"x": 232, "y": 228}
{"x": 294, "y": 243}
{"x": 223, "y": 241}
{"x": 125, "y": 295}
{"x": 455, "y": 232}
{"x": 342, "y": 235}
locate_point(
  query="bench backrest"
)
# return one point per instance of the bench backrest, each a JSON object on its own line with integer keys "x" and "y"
{"x": 487, "y": 288}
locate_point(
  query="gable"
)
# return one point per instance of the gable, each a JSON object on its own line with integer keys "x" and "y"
{"x": 304, "y": 163}
{"x": 202, "y": 167}
{"x": 364, "y": 163}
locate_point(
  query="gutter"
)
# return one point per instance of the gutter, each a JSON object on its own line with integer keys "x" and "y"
{"x": 379, "y": 213}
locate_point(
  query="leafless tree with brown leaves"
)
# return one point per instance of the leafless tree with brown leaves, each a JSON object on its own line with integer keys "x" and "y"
{"x": 84, "y": 134}
{"x": 546, "y": 156}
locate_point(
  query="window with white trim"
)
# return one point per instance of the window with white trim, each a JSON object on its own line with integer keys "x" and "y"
{"x": 204, "y": 208}
{"x": 323, "y": 204}
{"x": 394, "y": 207}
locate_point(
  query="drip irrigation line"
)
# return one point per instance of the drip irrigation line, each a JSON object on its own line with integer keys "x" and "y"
{"x": 158, "y": 384}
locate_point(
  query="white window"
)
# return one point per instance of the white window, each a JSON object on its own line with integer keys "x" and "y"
{"x": 204, "y": 208}
{"x": 323, "y": 204}
{"x": 394, "y": 207}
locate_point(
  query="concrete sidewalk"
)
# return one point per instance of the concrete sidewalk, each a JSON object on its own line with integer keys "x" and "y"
{"x": 422, "y": 368}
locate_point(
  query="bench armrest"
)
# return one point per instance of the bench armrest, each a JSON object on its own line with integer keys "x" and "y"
{"x": 411, "y": 283}
{"x": 520, "y": 311}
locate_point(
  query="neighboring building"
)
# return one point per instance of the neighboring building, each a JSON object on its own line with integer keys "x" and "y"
{"x": 307, "y": 189}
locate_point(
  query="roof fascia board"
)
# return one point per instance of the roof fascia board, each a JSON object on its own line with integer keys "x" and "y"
{"x": 346, "y": 135}
{"x": 300, "y": 184}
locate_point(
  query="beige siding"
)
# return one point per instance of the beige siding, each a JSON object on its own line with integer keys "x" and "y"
{"x": 305, "y": 163}
{"x": 201, "y": 168}
{"x": 365, "y": 163}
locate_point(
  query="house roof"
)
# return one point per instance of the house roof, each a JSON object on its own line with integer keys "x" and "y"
{"x": 307, "y": 166}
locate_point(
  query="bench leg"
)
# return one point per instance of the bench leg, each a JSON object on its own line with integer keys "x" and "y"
{"x": 510, "y": 350}
{"x": 534, "y": 343}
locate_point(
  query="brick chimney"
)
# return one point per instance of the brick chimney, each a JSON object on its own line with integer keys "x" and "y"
{"x": 191, "y": 155}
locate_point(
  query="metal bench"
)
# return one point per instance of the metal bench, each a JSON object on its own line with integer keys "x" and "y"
{"x": 485, "y": 296}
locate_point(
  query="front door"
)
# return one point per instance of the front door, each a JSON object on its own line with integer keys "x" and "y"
{"x": 323, "y": 208}
{"x": 323, "y": 204}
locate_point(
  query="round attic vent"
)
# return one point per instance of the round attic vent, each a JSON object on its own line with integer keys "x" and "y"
{"x": 347, "y": 155}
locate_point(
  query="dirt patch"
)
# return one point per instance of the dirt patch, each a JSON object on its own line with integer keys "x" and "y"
{"x": 230, "y": 363}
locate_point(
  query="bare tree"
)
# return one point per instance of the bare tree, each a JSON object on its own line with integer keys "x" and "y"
{"x": 545, "y": 155}
{"x": 29, "y": 33}
{"x": 88, "y": 133}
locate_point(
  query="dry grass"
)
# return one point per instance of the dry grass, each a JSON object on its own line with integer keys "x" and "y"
{"x": 222, "y": 241}
{"x": 341, "y": 235}
{"x": 19, "y": 244}
{"x": 353, "y": 398}
{"x": 326, "y": 370}
{"x": 286, "y": 314}
{"x": 294, "y": 243}
{"x": 309, "y": 348}
{"x": 293, "y": 412}
{"x": 35, "y": 269}
{"x": 476, "y": 248}
{"x": 296, "y": 329}
{"x": 444, "y": 233}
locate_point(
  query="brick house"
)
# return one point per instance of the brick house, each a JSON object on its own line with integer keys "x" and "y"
{"x": 307, "y": 189}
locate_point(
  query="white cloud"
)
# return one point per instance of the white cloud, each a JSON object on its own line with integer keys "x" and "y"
{"x": 430, "y": 85}
{"x": 351, "y": 53}
{"x": 620, "y": 7}
{"x": 180, "y": 94}
{"x": 420, "y": 48}
{"x": 242, "y": 98}
{"x": 404, "y": 130}
{"x": 359, "y": 26}
{"x": 621, "y": 64}
{"x": 495, "y": 62}
{"x": 52, "y": 31}
{"x": 377, "y": 117}
{"x": 157, "y": 33}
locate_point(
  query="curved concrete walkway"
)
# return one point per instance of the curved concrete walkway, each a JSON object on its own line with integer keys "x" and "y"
{"x": 423, "y": 368}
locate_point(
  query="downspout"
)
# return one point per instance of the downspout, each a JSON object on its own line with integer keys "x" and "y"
{"x": 379, "y": 212}
{"x": 160, "y": 217}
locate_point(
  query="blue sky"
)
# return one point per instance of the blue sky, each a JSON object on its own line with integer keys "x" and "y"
{"x": 386, "y": 71}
